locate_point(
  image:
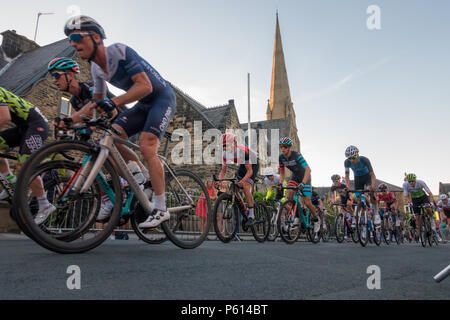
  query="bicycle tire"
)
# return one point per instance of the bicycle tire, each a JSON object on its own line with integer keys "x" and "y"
{"x": 423, "y": 231}
{"x": 339, "y": 227}
{"x": 362, "y": 226}
{"x": 326, "y": 231}
{"x": 179, "y": 221}
{"x": 288, "y": 231}
{"x": 260, "y": 228}
{"x": 21, "y": 200}
{"x": 232, "y": 218}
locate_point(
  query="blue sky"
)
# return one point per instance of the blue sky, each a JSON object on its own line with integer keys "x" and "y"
{"x": 385, "y": 91}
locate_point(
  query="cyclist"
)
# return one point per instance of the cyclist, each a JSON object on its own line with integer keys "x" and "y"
{"x": 30, "y": 133}
{"x": 301, "y": 176}
{"x": 272, "y": 180}
{"x": 390, "y": 202}
{"x": 122, "y": 67}
{"x": 417, "y": 193}
{"x": 444, "y": 210}
{"x": 341, "y": 189}
{"x": 246, "y": 174}
{"x": 63, "y": 72}
{"x": 363, "y": 172}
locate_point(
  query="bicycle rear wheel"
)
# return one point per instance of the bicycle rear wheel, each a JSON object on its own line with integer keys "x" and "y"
{"x": 225, "y": 218}
{"x": 187, "y": 228}
{"x": 289, "y": 222}
{"x": 260, "y": 228}
{"x": 87, "y": 236}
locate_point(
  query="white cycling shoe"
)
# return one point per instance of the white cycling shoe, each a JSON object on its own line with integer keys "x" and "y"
{"x": 155, "y": 219}
{"x": 105, "y": 213}
{"x": 43, "y": 214}
{"x": 4, "y": 195}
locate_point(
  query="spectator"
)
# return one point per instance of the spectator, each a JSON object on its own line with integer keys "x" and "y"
{"x": 202, "y": 210}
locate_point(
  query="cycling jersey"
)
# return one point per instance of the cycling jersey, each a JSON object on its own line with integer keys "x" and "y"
{"x": 445, "y": 207}
{"x": 152, "y": 113}
{"x": 389, "y": 198}
{"x": 417, "y": 191}
{"x": 341, "y": 192}
{"x": 85, "y": 95}
{"x": 31, "y": 129}
{"x": 363, "y": 167}
{"x": 242, "y": 156}
{"x": 18, "y": 108}
{"x": 296, "y": 163}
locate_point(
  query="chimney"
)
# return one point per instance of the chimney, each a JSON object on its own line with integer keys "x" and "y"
{"x": 14, "y": 44}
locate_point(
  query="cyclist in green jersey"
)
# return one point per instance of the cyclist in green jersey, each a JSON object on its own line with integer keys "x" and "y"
{"x": 29, "y": 134}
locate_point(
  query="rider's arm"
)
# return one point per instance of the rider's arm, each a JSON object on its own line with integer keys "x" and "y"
{"x": 141, "y": 88}
{"x": 374, "y": 180}
{"x": 5, "y": 115}
{"x": 307, "y": 175}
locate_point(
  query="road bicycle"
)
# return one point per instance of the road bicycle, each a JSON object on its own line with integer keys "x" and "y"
{"x": 426, "y": 231}
{"x": 273, "y": 208}
{"x": 99, "y": 164}
{"x": 230, "y": 209}
{"x": 343, "y": 225}
{"x": 367, "y": 225}
{"x": 294, "y": 219}
{"x": 391, "y": 226}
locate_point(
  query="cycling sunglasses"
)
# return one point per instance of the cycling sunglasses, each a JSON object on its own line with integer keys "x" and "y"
{"x": 57, "y": 75}
{"x": 353, "y": 158}
{"x": 77, "y": 37}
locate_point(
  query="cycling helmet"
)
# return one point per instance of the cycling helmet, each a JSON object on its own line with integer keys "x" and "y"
{"x": 268, "y": 172}
{"x": 286, "y": 142}
{"x": 382, "y": 187}
{"x": 83, "y": 23}
{"x": 351, "y": 152}
{"x": 228, "y": 138}
{"x": 63, "y": 64}
{"x": 443, "y": 197}
{"x": 411, "y": 177}
{"x": 335, "y": 177}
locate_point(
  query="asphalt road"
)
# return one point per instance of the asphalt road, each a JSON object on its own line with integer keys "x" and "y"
{"x": 216, "y": 271}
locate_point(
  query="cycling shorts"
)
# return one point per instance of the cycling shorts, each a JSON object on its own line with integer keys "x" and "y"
{"x": 30, "y": 138}
{"x": 361, "y": 182}
{"x": 152, "y": 117}
{"x": 417, "y": 202}
{"x": 295, "y": 182}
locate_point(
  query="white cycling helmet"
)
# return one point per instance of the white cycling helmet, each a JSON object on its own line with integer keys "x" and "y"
{"x": 351, "y": 152}
{"x": 443, "y": 197}
{"x": 268, "y": 172}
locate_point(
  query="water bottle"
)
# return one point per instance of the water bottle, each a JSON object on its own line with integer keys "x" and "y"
{"x": 137, "y": 173}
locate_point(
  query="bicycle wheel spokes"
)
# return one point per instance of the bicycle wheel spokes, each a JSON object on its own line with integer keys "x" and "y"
{"x": 191, "y": 215}
{"x": 225, "y": 218}
{"x": 340, "y": 228}
{"x": 289, "y": 222}
{"x": 71, "y": 227}
{"x": 362, "y": 227}
{"x": 260, "y": 228}
{"x": 273, "y": 229}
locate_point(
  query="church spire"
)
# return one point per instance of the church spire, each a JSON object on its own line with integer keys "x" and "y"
{"x": 280, "y": 104}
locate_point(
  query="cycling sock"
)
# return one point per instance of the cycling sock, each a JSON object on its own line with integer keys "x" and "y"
{"x": 43, "y": 202}
{"x": 160, "y": 202}
{"x": 251, "y": 213}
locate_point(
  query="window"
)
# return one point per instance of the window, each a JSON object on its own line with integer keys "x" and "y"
{"x": 65, "y": 106}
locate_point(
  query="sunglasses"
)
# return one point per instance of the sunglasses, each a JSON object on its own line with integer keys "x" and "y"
{"x": 353, "y": 158}
{"x": 77, "y": 37}
{"x": 57, "y": 75}
{"x": 284, "y": 147}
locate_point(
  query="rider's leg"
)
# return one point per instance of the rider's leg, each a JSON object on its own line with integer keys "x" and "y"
{"x": 249, "y": 198}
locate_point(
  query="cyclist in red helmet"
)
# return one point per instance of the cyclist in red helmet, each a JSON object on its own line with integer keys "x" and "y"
{"x": 247, "y": 172}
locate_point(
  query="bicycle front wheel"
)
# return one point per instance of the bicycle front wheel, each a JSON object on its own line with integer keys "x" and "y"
{"x": 339, "y": 227}
{"x": 260, "y": 227}
{"x": 225, "y": 218}
{"x": 79, "y": 210}
{"x": 190, "y": 206}
{"x": 273, "y": 228}
{"x": 362, "y": 226}
{"x": 289, "y": 222}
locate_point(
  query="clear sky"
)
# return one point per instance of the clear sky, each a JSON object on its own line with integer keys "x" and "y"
{"x": 385, "y": 91}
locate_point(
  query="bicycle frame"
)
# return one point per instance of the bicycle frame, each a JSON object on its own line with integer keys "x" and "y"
{"x": 92, "y": 170}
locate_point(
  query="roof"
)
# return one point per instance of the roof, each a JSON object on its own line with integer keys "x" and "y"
{"x": 31, "y": 66}
{"x": 280, "y": 124}
{"x": 3, "y": 61}
{"x": 218, "y": 114}
{"x": 444, "y": 188}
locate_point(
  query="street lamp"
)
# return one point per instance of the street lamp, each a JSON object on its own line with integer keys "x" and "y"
{"x": 37, "y": 23}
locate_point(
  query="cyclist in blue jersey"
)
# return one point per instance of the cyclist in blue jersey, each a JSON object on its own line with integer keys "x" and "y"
{"x": 301, "y": 176}
{"x": 363, "y": 172}
{"x": 122, "y": 67}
